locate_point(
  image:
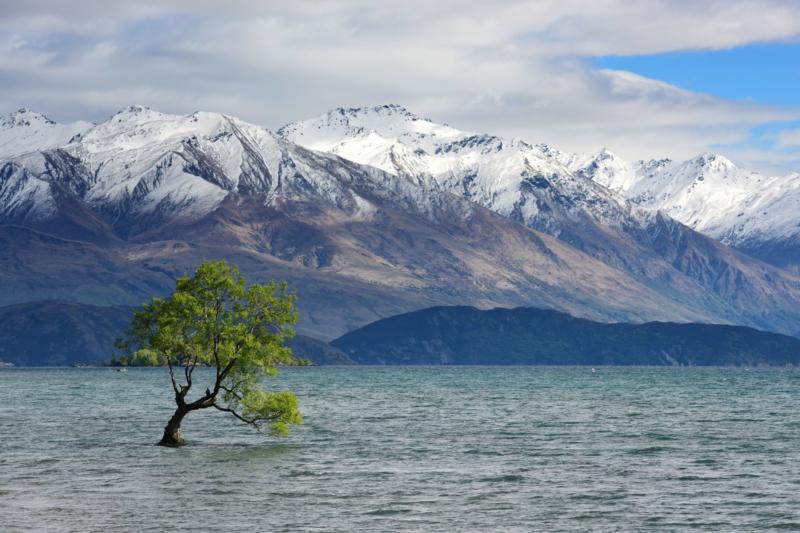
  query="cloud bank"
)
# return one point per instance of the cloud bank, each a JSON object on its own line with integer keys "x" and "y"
{"x": 516, "y": 68}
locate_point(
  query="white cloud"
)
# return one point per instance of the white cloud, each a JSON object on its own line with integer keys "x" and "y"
{"x": 509, "y": 67}
{"x": 788, "y": 138}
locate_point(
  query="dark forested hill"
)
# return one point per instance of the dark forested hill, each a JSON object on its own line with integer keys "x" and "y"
{"x": 465, "y": 335}
{"x": 57, "y": 333}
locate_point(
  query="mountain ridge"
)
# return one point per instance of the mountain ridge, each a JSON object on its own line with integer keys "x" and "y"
{"x": 155, "y": 193}
{"x": 523, "y": 335}
{"x": 566, "y": 196}
{"x": 708, "y": 192}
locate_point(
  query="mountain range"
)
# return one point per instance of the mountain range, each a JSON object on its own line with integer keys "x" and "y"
{"x": 754, "y": 213}
{"x": 371, "y": 212}
{"x": 539, "y": 185}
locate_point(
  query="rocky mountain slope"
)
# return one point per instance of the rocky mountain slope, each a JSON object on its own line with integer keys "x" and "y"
{"x": 465, "y": 335}
{"x": 576, "y": 199}
{"x": 114, "y": 214}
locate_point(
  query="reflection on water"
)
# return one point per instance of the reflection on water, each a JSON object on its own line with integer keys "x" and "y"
{"x": 427, "y": 449}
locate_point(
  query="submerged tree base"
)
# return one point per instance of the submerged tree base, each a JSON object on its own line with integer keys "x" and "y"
{"x": 171, "y": 442}
{"x": 172, "y": 431}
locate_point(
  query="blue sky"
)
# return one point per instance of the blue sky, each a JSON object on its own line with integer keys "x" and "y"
{"x": 764, "y": 73}
{"x": 645, "y": 78}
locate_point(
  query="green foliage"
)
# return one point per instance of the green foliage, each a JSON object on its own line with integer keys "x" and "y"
{"x": 143, "y": 357}
{"x": 280, "y": 408}
{"x": 215, "y": 319}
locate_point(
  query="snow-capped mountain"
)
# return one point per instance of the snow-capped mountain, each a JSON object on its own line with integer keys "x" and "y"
{"x": 163, "y": 191}
{"x": 698, "y": 192}
{"x": 605, "y": 168}
{"x": 26, "y": 131}
{"x": 717, "y": 198}
{"x": 529, "y": 183}
{"x": 143, "y": 166}
{"x": 385, "y": 213}
{"x": 709, "y": 193}
{"x": 579, "y": 199}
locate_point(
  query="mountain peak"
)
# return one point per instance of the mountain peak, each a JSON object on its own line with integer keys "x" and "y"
{"x": 607, "y": 169}
{"x": 712, "y": 160}
{"x": 133, "y": 109}
{"x": 25, "y": 131}
{"x": 385, "y": 124}
{"x": 605, "y": 153}
{"x": 377, "y": 117}
{"x": 136, "y": 113}
{"x": 381, "y": 110}
{"x": 24, "y": 117}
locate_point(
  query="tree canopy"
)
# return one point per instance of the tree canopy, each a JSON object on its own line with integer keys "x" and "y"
{"x": 215, "y": 319}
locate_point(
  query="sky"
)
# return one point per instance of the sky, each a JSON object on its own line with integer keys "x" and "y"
{"x": 643, "y": 78}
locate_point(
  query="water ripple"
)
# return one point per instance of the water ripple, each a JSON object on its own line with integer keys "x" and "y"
{"x": 410, "y": 449}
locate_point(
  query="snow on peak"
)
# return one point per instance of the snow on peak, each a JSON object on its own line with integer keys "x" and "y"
{"x": 137, "y": 127}
{"x": 135, "y": 109}
{"x": 143, "y": 161}
{"x": 137, "y": 114}
{"x": 188, "y": 161}
{"x": 509, "y": 176}
{"x": 715, "y": 166}
{"x": 24, "y": 117}
{"x": 712, "y": 159}
{"x": 605, "y": 168}
{"x": 385, "y": 110}
{"x": 391, "y": 122}
{"x": 180, "y": 166}
{"x": 643, "y": 167}
{"x": 141, "y": 149}
{"x": 173, "y": 167}
{"x": 710, "y": 194}
{"x": 26, "y": 131}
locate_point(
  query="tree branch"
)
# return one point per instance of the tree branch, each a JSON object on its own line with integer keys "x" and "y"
{"x": 191, "y": 370}
{"x": 172, "y": 377}
{"x": 252, "y": 421}
{"x": 232, "y": 392}
{"x": 224, "y": 373}
{"x": 216, "y": 358}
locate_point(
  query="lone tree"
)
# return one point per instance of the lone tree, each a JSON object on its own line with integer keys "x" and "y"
{"x": 214, "y": 319}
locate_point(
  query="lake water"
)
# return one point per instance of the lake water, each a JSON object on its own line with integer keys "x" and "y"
{"x": 410, "y": 449}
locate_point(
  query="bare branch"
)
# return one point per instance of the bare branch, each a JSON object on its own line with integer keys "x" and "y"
{"x": 191, "y": 370}
{"x": 205, "y": 401}
{"x": 172, "y": 377}
{"x": 216, "y": 357}
{"x": 232, "y": 392}
{"x": 225, "y": 371}
{"x": 252, "y": 421}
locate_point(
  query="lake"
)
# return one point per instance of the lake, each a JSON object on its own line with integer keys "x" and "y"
{"x": 410, "y": 449}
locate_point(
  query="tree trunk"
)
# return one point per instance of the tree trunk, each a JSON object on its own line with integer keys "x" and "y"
{"x": 172, "y": 432}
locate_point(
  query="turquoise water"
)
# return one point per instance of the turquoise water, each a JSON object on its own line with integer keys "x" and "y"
{"x": 411, "y": 449}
